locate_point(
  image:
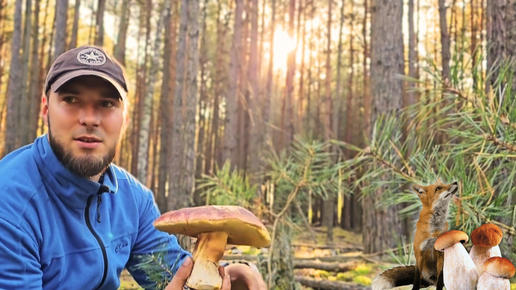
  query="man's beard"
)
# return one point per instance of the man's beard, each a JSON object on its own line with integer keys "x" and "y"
{"x": 86, "y": 166}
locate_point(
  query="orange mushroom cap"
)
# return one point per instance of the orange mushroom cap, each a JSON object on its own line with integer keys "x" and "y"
{"x": 487, "y": 235}
{"x": 450, "y": 238}
{"x": 499, "y": 267}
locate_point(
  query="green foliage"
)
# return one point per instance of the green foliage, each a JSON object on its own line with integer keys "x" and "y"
{"x": 227, "y": 187}
{"x": 157, "y": 268}
{"x": 459, "y": 131}
{"x": 307, "y": 167}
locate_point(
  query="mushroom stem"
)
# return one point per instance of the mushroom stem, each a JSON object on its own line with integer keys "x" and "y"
{"x": 488, "y": 281}
{"x": 480, "y": 254}
{"x": 209, "y": 249}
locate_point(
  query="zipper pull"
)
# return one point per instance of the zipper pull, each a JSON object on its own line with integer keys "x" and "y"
{"x": 103, "y": 188}
{"x": 99, "y": 201}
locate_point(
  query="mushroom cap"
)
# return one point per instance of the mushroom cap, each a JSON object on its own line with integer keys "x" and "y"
{"x": 499, "y": 267}
{"x": 242, "y": 226}
{"x": 450, "y": 238}
{"x": 487, "y": 235}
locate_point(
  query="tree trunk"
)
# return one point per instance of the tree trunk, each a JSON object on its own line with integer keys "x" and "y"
{"x": 23, "y": 94}
{"x": 143, "y": 149}
{"x": 213, "y": 139}
{"x": 288, "y": 128}
{"x": 99, "y": 23}
{"x": 75, "y": 28}
{"x": 14, "y": 85}
{"x": 329, "y": 204}
{"x": 122, "y": 32}
{"x": 445, "y": 41}
{"x": 496, "y": 35}
{"x": 164, "y": 107}
{"x": 328, "y": 285}
{"x": 381, "y": 227}
{"x": 176, "y": 198}
{"x": 269, "y": 82}
{"x": 60, "y": 28}
{"x": 230, "y": 128}
{"x": 256, "y": 122}
{"x": 35, "y": 89}
{"x": 188, "y": 180}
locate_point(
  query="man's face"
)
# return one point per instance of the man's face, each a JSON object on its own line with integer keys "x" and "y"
{"x": 85, "y": 119}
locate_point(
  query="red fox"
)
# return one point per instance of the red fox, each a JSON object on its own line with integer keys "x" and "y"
{"x": 432, "y": 222}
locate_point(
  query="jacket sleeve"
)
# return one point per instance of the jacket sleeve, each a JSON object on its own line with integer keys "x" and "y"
{"x": 19, "y": 259}
{"x": 151, "y": 242}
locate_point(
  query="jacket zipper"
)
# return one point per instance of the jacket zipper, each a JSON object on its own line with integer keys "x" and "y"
{"x": 88, "y": 223}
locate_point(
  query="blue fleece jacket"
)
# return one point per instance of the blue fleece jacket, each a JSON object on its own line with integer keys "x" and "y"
{"x": 62, "y": 231}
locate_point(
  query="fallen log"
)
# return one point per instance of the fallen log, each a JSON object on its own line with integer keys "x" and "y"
{"x": 339, "y": 259}
{"x": 329, "y": 285}
{"x": 330, "y": 247}
{"x": 330, "y": 267}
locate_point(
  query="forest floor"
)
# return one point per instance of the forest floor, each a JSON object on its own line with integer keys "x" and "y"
{"x": 356, "y": 269}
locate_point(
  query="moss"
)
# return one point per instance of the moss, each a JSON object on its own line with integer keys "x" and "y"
{"x": 362, "y": 269}
{"x": 321, "y": 274}
{"x": 363, "y": 280}
{"x": 346, "y": 276}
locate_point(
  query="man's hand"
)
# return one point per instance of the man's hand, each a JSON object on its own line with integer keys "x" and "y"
{"x": 244, "y": 277}
{"x": 179, "y": 280}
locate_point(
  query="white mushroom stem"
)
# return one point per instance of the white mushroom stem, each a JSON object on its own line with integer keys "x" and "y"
{"x": 209, "y": 249}
{"x": 460, "y": 273}
{"x": 479, "y": 255}
{"x": 489, "y": 282}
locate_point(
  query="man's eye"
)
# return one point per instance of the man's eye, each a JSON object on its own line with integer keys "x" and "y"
{"x": 107, "y": 104}
{"x": 69, "y": 99}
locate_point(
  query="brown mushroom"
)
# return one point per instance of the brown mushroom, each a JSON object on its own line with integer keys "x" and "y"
{"x": 459, "y": 270}
{"x": 497, "y": 272}
{"x": 214, "y": 227}
{"x": 486, "y": 240}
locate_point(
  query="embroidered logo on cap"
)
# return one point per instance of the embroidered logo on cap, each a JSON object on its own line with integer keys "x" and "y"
{"x": 91, "y": 56}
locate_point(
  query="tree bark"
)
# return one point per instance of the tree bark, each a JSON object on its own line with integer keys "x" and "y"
{"x": 75, "y": 27}
{"x": 445, "y": 41}
{"x": 176, "y": 198}
{"x": 329, "y": 285}
{"x": 23, "y": 94}
{"x": 164, "y": 107}
{"x": 14, "y": 85}
{"x": 329, "y": 203}
{"x": 381, "y": 226}
{"x": 145, "y": 127}
{"x": 121, "y": 39}
{"x": 99, "y": 23}
{"x": 288, "y": 128}
{"x": 60, "y": 28}
{"x": 35, "y": 89}
{"x": 188, "y": 180}
{"x": 230, "y": 128}
{"x": 256, "y": 122}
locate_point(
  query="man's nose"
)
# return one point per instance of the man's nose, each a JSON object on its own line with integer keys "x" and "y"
{"x": 89, "y": 116}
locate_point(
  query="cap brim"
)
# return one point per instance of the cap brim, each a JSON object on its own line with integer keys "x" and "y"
{"x": 77, "y": 73}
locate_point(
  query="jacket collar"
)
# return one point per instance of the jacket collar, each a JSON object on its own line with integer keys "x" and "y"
{"x": 70, "y": 188}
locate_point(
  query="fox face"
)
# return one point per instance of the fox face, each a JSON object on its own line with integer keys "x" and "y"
{"x": 437, "y": 195}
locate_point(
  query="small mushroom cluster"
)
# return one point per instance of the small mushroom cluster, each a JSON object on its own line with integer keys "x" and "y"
{"x": 482, "y": 268}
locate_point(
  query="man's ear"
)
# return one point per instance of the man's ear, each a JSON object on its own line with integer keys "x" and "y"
{"x": 418, "y": 189}
{"x": 44, "y": 109}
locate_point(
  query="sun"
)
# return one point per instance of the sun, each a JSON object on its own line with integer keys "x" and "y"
{"x": 283, "y": 45}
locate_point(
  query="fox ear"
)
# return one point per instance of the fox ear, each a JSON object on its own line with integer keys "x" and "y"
{"x": 439, "y": 181}
{"x": 418, "y": 189}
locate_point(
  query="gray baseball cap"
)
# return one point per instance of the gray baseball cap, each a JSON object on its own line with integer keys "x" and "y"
{"x": 82, "y": 61}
